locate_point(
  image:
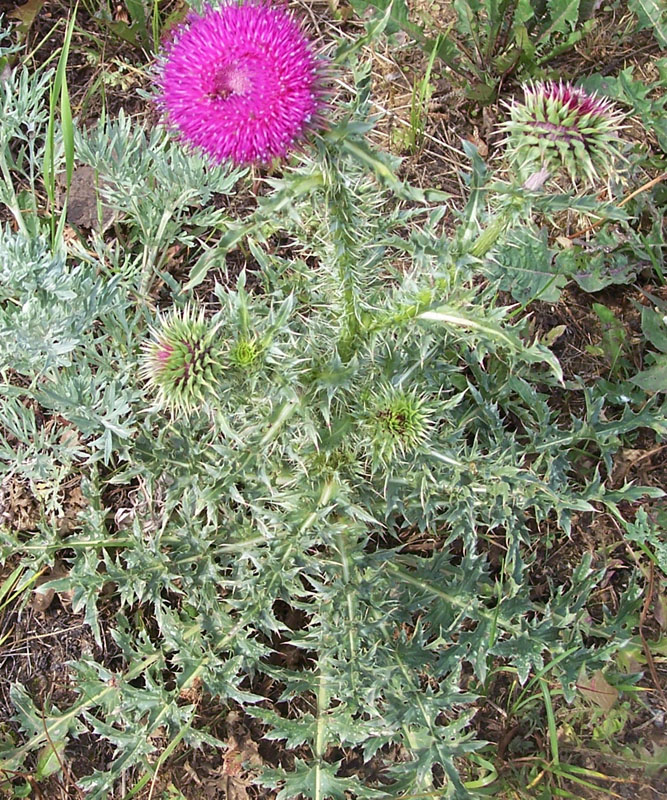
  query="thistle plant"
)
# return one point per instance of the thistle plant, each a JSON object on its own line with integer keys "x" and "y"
{"x": 241, "y": 83}
{"x": 561, "y": 128}
{"x": 369, "y": 341}
{"x": 182, "y": 362}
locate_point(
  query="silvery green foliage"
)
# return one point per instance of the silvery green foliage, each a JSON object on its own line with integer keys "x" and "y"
{"x": 22, "y": 111}
{"x": 294, "y": 487}
{"x": 150, "y": 182}
{"x": 48, "y": 305}
{"x": 23, "y": 117}
{"x": 153, "y": 181}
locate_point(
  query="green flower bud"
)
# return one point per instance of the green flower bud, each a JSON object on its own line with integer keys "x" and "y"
{"x": 245, "y": 354}
{"x": 398, "y": 422}
{"x": 182, "y": 362}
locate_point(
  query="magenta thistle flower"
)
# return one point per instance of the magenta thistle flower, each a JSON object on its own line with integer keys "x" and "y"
{"x": 560, "y": 126}
{"x": 241, "y": 83}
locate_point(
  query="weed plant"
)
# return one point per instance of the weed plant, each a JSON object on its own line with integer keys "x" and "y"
{"x": 488, "y": 40}
{"x": 370, "y": 390}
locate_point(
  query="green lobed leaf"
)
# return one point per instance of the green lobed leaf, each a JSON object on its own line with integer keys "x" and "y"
{"x": 651, "y": 14}
{"x": 653, "y": 379}
{"x": 527, "y": 267}
{"x": 563, "y": 16}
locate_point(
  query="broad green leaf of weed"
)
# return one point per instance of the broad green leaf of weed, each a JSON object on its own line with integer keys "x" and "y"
{"x": 654, "y": 327}
{"x": 594, "y": 271}
{"x": 527, "y": 267}
{"x": 468, "y": 16}
{"x": 172, "y": 20}
{"x": 651, "y": 14}
{"x": 138, "y": 14}
{"x": 481, "y": 93}
{"x": 128, "y": 33}
{"x": 374, "y": 29}
{"x": 648, "y": 101}
{"x": 564, "y": 15}
{"x": 26, "y": 15}
{"x": 654, "y": 756}
{"x": 395, "y": 18}
{"x": 653, "y": 379}
{"x": 50, "y": 760}
{"x": 524, "y": 12}
{"x": 614, "y": 336}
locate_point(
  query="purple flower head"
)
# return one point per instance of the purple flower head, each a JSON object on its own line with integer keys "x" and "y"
{"x": 560, "y": 126}
{"x": 241, "y": 82}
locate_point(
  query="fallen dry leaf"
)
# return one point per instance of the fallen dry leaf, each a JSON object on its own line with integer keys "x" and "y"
{"x": 597, "y": 690}
{"x": 42, "y": 598}
{"x": 192, "y": 694}
{"x": 26, "y": 14}
{"x": 82, "y": 210}
{"x": 480, "y": 144}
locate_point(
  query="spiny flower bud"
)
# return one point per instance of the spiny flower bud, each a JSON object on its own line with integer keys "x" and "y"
{"x": 245, "y": 354}
{"x": 559, "y": 126}
{"x": 182, "y": 362}
{"x": 398, "y": 422}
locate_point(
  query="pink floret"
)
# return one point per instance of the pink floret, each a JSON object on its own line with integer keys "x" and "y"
{"x": 573, "y": 97}
{"x": 163, "y": 354}
{"x": 241, "y": 83}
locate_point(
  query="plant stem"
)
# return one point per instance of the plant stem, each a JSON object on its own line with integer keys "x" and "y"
{"x": 11, "y": 201}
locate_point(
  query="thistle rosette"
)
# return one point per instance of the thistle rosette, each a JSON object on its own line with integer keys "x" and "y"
{"x": 182, "y": 362}
{"x": 241, "y": 83}
{"x": 397, "y": 423}
{"x": 561, "y": 127}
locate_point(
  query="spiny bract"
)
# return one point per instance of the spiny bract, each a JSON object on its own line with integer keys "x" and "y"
{"x": 397, "y": 422}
